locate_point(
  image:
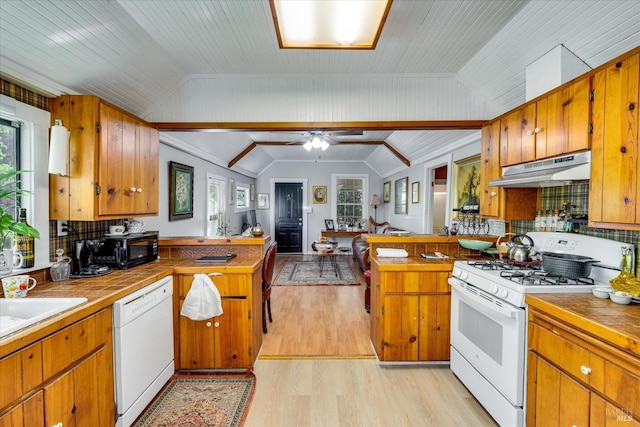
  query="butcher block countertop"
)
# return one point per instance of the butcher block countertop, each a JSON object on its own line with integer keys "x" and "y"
{"x": 103, "y": 291}
{"x": 615, "y": 324}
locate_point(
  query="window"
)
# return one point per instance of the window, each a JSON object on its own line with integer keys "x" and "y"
{"x": 350, "y": 200}
{"x": 217, "y": 223}
{"x": 9, "y": 155}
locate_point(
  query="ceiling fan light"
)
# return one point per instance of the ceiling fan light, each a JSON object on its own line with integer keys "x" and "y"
{"x": 324, "y": 145}
{"x": 316, "y": 142}
{"x": 308, "y": 145}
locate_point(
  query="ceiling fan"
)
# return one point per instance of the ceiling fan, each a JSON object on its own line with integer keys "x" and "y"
{"x": 322, "y": 140}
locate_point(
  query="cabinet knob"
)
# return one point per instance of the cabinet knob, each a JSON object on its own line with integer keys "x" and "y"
{"x": 208, "y": 324}
{"x": 494, "y": 194}
{"x": 217, "y": 324}
{"x": 585, "y": 370}
{"x": 134, "y": 189}
{"x": 139, "y": 190}
{"x": 530, "y": 132}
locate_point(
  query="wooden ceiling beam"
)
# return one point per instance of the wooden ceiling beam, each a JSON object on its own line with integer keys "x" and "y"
{"x": 317, "y": 126}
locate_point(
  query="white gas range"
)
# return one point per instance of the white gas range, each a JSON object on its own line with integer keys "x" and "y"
{"x": 488, "y": 316}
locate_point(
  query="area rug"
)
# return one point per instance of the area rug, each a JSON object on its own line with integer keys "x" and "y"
{"x": 200, "y": 399}
{"x": 308, "y": 273}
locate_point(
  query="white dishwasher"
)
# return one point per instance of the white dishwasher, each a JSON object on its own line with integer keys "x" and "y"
{"x": 143, "y": 347}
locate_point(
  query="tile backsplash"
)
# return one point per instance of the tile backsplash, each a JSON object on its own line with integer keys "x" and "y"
{"x": 78, "y": 230}
{"x": 578, "y": 196}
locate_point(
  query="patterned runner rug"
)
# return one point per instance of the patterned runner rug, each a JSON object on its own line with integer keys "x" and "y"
{"x": 200, "y": 399}
{"x": 308, "y": 273}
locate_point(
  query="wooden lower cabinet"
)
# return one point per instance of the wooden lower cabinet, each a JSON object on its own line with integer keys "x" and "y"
{"x": 225, "y": 341}
{"x": 575, "y": 379}
{"x": 64, "y": 379}
{"x": 411, "y": 318}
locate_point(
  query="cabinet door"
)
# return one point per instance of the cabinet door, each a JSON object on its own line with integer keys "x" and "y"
{"x": 147, "y": 161}
{"x": 567, "y": 119}
{"x": 560, "y": 401}
{"x": 604, "y": 414}
{"x": 232, "y": 334}
{"x": 401, "y": 313}
{"x": 434, "y": 327}
{"x": 490, "y": 170}
{"x": 613, "y": 192}
{"x": 28, "y": 413}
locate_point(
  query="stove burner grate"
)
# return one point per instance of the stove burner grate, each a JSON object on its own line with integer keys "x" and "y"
{"x": 507, "y": 264}
{"x": 541, "y": 278}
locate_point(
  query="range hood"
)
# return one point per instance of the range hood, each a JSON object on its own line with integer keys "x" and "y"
{"x": 546, "y": 173}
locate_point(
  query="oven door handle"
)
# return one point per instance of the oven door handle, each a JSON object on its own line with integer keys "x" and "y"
{"x": 508, "y": 312}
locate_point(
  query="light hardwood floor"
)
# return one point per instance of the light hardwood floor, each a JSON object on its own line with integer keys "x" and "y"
{"x": 316, "y": 368}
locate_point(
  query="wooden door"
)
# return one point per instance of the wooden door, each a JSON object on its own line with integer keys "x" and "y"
{"x": 147, "y": 160}
{"x": 401, "y": 323}
{"x": 567, "y": 129}
{"x": 615, "y": 162}
{"x": 288, "y": 217}
{"x": 490, "y": 169}
{"x": 560, "y": 401}
{"x": 232, "y": 333}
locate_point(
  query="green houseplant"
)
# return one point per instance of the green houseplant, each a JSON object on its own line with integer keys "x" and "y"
{"x": 9, "y": 199}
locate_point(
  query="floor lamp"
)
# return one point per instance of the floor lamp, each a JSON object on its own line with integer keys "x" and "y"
{"x": 375, "y": 202}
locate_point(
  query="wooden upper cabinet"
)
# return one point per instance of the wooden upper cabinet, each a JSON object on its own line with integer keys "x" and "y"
{"x": 490, "y": 170}
{"x": 567, "y": 121}
{"x": 614, "y": 185}
{"x": 553, "y": 125}
{"x": 113, "y": 162}
{"x": 513, "y": 148}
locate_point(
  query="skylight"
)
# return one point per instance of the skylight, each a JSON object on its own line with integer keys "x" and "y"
{"x": 329, "y": 24}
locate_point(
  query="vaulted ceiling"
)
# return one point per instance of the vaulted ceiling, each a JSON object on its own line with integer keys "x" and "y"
{"x": 146, "y": 56}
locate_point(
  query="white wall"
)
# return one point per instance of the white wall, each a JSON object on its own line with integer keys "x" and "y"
{"x": 197, "y": 225}
{"x": 315, "y": 173}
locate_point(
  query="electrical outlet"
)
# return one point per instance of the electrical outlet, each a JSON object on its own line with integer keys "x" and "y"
{"x": 63, "y": 228}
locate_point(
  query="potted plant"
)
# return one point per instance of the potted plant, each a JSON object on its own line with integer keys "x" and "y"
{"x": 9, "y": 198}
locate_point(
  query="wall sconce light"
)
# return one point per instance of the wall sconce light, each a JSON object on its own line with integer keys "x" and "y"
{"x": 59, "y": 149}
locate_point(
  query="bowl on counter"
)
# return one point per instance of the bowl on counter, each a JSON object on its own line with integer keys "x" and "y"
{"x": 477, "y": 245}
{"x": 620, "y": 297}
{"x": 601, "y": 292}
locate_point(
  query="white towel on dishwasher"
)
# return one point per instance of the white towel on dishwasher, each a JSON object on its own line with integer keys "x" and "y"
{"x": 203, "y": 299}
{"x": 392, "y": 253}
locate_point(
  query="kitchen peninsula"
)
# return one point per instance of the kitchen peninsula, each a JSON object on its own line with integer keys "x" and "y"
{"x": 77, "y": 343}
{"x": 410, "y": 297}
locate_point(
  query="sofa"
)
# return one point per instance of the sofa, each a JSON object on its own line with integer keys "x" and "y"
{"x": 361, "y": 248}
{"x": 361, "y": 255}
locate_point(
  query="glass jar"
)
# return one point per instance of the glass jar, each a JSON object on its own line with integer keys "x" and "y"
{"x": 626, "y": 281}
{"x": 61, "y": 269}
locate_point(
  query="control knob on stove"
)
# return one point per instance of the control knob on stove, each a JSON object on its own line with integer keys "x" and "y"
{"x": 504, "y": 293}
{"x": 494, "y": 289}
{"x": 456, "y": 272}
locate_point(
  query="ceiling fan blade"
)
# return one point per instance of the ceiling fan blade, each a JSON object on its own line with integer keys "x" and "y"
{"x": 347, "y": 132}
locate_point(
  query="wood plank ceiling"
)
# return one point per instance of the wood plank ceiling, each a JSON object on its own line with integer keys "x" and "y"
{"x": 138, "y": 54}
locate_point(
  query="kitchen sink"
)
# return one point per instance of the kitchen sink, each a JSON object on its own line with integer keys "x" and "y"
{"x": 18, "y": 313}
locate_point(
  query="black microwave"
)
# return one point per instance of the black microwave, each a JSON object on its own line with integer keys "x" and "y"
{"x": 127, "y": 251}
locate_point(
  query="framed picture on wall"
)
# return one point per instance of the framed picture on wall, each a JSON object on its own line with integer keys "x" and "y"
{"x": 386, "y": 192}
{"x": 180, "y": 191}
{"x": 466, "y": 180}
{"x": 319, "y": 194}
{"x": 415, "y": 192}
{"x": 401, "y": 195}
{"x": 263, "y": 201}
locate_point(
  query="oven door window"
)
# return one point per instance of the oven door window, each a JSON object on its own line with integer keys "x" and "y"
{"x": 492, "y": 338}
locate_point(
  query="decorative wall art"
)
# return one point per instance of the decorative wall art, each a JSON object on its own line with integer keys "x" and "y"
{"x": 328, "y": 224}
{"x": 180, "y": 191}
{"x": 263, "y": 201}
{"x": 319, "y": 194}
{"x": 466, "y": 180}
{"x": 401, "y": 195}
{"x": 415, "y": 192}
{"x": 386, "y": 192}
{"x": 232, "y": 191}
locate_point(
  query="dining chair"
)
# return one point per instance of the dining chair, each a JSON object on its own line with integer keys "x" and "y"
{"x": 267, "y": 278}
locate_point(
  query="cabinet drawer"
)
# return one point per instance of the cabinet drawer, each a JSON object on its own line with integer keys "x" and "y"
{"x": 623, "y": 387}
{"x": 569, "y": 356}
